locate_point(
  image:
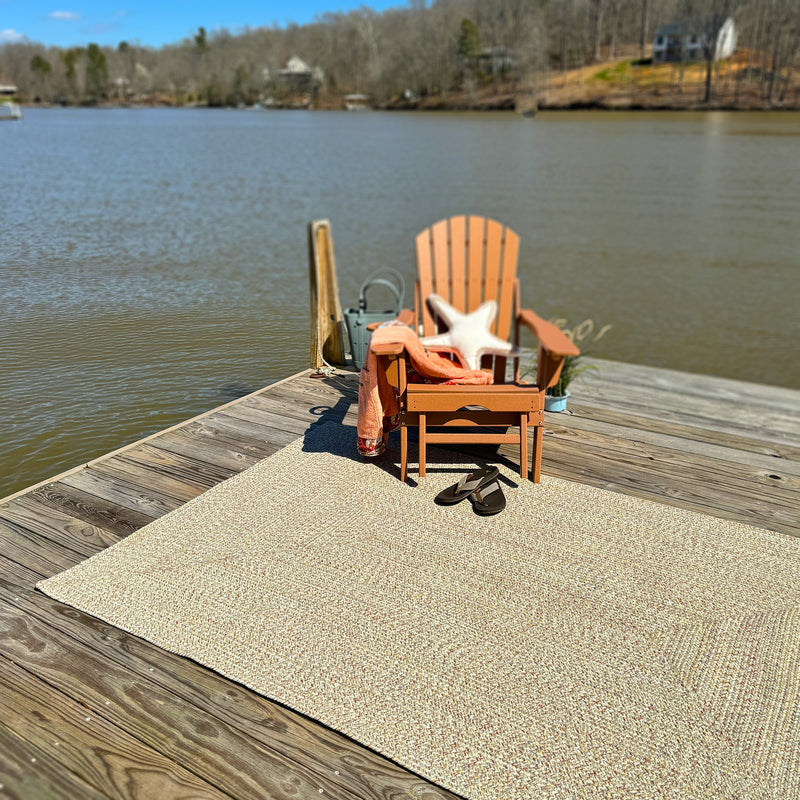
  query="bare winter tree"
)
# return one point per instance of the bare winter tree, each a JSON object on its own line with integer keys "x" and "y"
{"x": 711, "y": 16}
{"x": 644, "y": 29}
{"x": 781, "y": 38}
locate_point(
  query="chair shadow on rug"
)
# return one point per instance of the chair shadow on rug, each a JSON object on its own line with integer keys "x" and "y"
{"x": 331, "y": 434}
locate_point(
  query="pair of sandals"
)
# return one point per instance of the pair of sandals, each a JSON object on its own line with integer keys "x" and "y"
{"x": 481, "y": 488}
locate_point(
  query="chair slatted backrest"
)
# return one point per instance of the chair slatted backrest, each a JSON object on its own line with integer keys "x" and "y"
{"x": 468, "y": 260}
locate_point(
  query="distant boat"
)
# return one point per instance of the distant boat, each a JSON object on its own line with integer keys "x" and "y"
{"x": 356, "y": 102}
{"x": 9, "y": 110}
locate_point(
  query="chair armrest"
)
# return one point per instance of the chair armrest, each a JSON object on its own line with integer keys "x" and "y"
{"x": 391, "y": 359}
{"x": 554, "y": 347}
{"x": 387, "y": 348}
{"x": 550, "y": 336}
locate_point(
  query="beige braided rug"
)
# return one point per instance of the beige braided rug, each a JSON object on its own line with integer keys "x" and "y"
{"x": 582, "y": 644}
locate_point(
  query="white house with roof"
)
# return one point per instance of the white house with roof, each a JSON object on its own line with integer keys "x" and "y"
{"x": 685, "y": 40}
{"x": 299, "y": 75}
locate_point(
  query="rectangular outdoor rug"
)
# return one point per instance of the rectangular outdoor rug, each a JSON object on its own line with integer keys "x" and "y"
{"x": 581, "y": 644}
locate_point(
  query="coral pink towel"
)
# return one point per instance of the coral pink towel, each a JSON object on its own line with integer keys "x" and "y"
{"x": 378, "y": 407}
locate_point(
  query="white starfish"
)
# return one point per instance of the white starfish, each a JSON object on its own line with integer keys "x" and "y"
{"x": 467, "y": 333}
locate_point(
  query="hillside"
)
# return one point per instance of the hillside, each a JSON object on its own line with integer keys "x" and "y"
{"x": 738, "y": 83}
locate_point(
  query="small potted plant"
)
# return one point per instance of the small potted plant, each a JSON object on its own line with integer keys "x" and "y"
{"x": 556, "y": 396}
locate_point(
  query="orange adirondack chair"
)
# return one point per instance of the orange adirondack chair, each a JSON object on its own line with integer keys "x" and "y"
{"x": 468, "y": 260}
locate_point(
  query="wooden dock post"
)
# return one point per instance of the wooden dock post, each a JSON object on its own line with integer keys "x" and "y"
{"x": 328, "y": 332}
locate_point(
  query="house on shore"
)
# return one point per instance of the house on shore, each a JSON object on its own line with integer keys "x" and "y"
{"x": 295, "y": 86}
{"x": 298, "y": 76}
{"x": 686, "y": 40}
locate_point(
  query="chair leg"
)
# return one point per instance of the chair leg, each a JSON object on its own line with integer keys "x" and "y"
{"x": 523, "y": 446}
{"x": 422, "y": 437}
{"x": 538, "y": 436}
{"x": 403, "y": 453}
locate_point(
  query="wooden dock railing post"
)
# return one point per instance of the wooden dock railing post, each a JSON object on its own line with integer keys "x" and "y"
{"x": 328, "y": 331}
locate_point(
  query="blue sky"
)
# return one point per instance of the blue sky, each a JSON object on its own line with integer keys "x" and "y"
{"x": 153, "y": 22}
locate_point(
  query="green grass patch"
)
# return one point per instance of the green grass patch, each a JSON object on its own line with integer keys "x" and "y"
{"x": 613, "y": 74}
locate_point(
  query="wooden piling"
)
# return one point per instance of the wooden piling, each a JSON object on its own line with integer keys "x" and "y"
{"x": 327, "y": 320}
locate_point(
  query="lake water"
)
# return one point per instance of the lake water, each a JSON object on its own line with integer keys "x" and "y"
{"x": 153, "y": 263}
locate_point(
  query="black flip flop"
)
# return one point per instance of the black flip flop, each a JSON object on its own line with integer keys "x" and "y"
{"x": 488, "y": 500}
{"x": 466, "y": 486}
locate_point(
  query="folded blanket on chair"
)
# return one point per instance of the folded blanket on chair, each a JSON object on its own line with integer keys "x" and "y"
{"x": 378, "y": 406}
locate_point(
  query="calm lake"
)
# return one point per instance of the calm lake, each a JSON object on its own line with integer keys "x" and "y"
{"x": 153, "y": 263}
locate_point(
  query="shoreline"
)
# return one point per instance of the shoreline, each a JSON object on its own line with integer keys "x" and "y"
{"x": 450, "y": 107}
{"x": 614, "y": 85}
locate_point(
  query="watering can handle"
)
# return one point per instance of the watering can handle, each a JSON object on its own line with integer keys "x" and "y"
{"x": 383, "y": 277}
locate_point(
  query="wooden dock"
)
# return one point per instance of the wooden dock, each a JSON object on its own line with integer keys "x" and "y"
{"x": 88, "y": 711}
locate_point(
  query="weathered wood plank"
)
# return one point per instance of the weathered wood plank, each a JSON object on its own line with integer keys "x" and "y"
{"x": 190, "y": 714}
{"x": 257, "y": 412}
{"x": 98, "y": 511}
{"x": 695, "y": 400}
{"x": 54, "y": 525}
{"x": 618, "y": 427}
{"x": 225, "y": 440}
{"x": 365, "y": 775}
{"x": 179, "y": 731}
{"x": 709, "y": 417}
{"x": 81, "y": 743}
{"x": 275, "y": 436}
{"x": 113, "y": 488}
{"x": 207, "y": 690}
{"x": 28, "y": 773}
{"x": 206, "y": 450}
{"x": 311, "y": 393}
{"x": 667, "y": 384}
{"x": 785, "y": 449}
{"x": 254, "y": 439}
{"x": 201, "y": 473}
{"x": 45, "y": 557}
{"x": 147, "y": 482}
{"x": 307, "y": 408}
{"x": 16, "y": 574}
{"x": 711, "y": 487}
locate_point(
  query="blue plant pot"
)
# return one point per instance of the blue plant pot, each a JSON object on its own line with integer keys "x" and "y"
{"x": 556, "y": 404}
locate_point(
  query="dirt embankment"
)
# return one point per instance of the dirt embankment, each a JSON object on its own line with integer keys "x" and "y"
{"x": 741, "y": 82}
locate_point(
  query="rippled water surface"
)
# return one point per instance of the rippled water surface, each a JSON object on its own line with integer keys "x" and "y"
{"x": 153, "y": 263}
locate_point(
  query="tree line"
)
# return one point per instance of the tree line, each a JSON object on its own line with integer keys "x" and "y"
{"x": 404, "y": 54}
